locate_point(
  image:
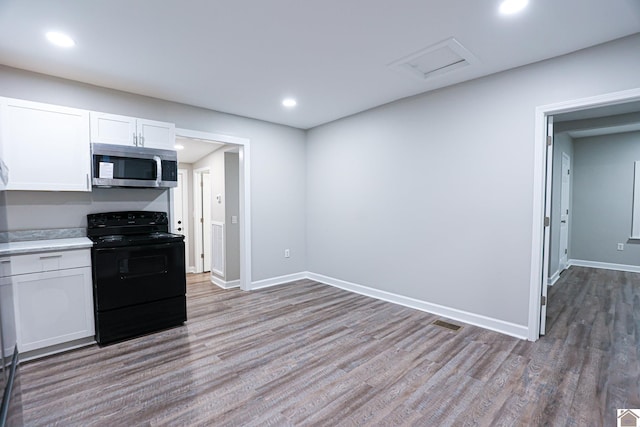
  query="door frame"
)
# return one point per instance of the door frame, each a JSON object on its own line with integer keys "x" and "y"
{"x": 538, "y": 243}
{"x": 244, "y": 149}
{"x": 198, "y": 208}
{"x": 185, "y": 214}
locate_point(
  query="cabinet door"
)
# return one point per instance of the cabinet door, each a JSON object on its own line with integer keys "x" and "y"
{"x": 113, "y": 129}
{"x": 53, "y": 307}
{"x": 152, "y": 134}
{"x": 7, "y": 318}
{"x": 45, "y": 147}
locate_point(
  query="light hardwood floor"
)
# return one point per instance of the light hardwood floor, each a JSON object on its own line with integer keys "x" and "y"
{"x": 309, "y": 354}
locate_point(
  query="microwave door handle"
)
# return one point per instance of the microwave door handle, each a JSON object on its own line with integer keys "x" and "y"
{"x": 158, "y": 169}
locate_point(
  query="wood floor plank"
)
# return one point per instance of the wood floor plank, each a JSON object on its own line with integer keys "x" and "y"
{"x": 309, "y": 354}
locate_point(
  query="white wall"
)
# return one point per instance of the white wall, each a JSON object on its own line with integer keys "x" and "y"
{"x": 218, "y": 166}
{"x": 232, "y": 208}
{"x": 32, "y": 210}
{"x": 277, "y": 164}
{"x": 431, "y": 197}
{"x": 603, "y": 198}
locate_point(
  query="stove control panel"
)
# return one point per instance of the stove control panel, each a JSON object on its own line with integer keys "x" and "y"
{"x": 111, "y": 219}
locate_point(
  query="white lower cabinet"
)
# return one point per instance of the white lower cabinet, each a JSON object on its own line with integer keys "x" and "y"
{"x": 53, "y": 307}
{"x": 53, "y": 303}
{"x": 7, "y": 317}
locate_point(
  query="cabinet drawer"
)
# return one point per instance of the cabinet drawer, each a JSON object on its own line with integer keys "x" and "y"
{"x": 50, "y": 261}
{"x": 5, "y": 267}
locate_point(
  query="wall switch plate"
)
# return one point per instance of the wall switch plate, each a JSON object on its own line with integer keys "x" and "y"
{"x": 287, "y": 254}
{"x": 621, "y": 246}
{"x": 234, "y": 219}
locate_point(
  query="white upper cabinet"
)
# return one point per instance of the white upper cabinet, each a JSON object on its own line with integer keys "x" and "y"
{"x": 153, "y": 134}
{"x": 44, "y": 147}
{"x": 113, "y": 129}
{"x": 123, "y": 130}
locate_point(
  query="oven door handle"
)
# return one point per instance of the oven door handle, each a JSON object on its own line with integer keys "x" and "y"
{"x": 138, "y": 247}
{"x": 125, "y": 276}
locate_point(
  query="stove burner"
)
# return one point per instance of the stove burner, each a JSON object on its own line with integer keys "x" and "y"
{"x": 111, "y": 238}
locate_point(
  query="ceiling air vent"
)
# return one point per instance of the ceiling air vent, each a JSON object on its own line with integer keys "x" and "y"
{"x": 436, "y": 60}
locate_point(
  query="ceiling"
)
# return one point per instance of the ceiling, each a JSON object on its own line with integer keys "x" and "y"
{"x": 336, "y": 57}
{"x": 596, "y": 121}
{"x": 194, "y": 149}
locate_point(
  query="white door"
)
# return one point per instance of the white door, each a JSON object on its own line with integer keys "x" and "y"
{"x": 564, "y": 210}
{"x": 547, "y": 228}
{"x": 206, "y": 218}
{"x": 180, "y": 209}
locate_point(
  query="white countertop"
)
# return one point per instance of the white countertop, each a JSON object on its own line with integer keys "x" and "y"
{"x": 35, "y": 246}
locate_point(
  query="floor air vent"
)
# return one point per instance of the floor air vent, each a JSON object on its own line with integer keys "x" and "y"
{"x": 447, "y": 325}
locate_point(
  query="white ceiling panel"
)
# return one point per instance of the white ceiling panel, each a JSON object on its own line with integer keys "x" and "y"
{"x": 245, "y": 56}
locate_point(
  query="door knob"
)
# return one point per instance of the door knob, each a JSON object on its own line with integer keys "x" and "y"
{"x": 179, "y": 228}
{"x": 179, "y": 222}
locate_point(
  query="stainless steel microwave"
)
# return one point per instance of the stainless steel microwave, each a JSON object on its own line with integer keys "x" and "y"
{"x": 125, "y": 166}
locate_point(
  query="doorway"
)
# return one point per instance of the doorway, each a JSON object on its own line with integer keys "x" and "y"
{"x": 600, "y": 106}
{"x": 241, "y": 219}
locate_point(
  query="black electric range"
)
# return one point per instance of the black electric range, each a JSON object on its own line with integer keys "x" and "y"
{"x": 139, "y": 279}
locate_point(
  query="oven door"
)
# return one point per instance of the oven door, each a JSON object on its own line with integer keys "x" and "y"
{"x": 126, "y": 276}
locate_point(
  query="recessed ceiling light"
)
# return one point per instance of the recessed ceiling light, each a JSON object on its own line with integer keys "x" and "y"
{"x": 60, "y": 39}
{"x": 178, "y": 147}
{"x": 509, "y": 7}
{"x": 289, "y": 102}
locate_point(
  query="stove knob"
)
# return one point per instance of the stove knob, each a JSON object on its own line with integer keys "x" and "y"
{"x": 160, "y": 218}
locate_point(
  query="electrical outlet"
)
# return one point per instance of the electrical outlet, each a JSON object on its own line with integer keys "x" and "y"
{"x": 287, "y": 254}
{"x": 621, "y": 246}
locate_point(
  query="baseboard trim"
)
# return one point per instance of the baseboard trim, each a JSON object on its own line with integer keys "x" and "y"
{"x": 507, "y": 328}
{"x": 25, "y": 356}
{"x": 554, "y": 278}
{"x": 274, "y": 281}
{"x": 605, "y": 265}
{"x": 223, "y": 283}
{"x": 191, "y": 269}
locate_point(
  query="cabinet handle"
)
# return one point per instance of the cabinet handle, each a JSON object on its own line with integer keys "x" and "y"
{"x": 5, "y": 261}
{"x": 51, "y": 256}
{"x": 88, "y": 183}
{"x": 135, "y": 139}
{"x": 141, "y": 139}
